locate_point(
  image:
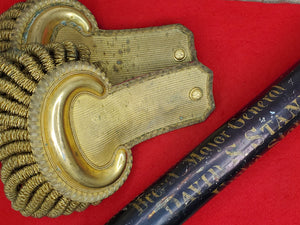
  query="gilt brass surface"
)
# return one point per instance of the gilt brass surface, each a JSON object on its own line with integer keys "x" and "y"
{"x": 121, "y": 54}
{"x": 46, "y": 23}
{"x": 41, "y": 20}
{"x": 36, "y": 21}
{"x": 125, "y": 54}
{"x": 83, "y": 129}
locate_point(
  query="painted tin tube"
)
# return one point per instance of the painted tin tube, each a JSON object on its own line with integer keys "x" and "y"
{"x": 203, "y": 172}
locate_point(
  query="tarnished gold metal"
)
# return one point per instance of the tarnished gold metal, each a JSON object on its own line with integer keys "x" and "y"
{"x": 84, "y": 129}
{"x": 67, "y": 128}
{"x": 122, "y": 54}
{"x": 126, "y": 54}
{"x": 36, "y": 21}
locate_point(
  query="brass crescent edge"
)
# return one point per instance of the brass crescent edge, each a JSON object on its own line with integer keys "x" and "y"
{"x": 75, "y": 192}
{"x": 26, "y": 20}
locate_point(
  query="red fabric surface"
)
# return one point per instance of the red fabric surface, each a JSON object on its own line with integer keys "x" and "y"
{"x": 247, "y": 45}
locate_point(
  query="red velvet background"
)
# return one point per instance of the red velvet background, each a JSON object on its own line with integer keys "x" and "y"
{"x": 247, "y": 45}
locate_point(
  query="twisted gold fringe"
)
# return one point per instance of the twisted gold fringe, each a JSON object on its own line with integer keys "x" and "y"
{"x": 20, "y": 72}
{"x": 34, "y": 68}
{"x": 41, "y": 54}
{"x": 12, "y": 135}
{"x": 15, "y": 74}
{"x": 4, "y": 45}
{"x": 3, "y": 127}
{"x": 12, "y": 13}
{"x": 83, "y": 52}
{"x": 71, "y": 51}
{"x": 20, "y": 5}
{"x": 28, "y": 187}
{"x": 48, "y": 203}
{"x": 82, "y": 206}
{"x": 5, "y": 35}
{"x": 14, "y": 91}
{"x": 11, "y": 121}
{"x": 16, "y": 180}
{"x": 14, "y": 148}
{"x": 13, "y": 107}
{"x": 8, "y": 23}
{"x": 59, "y": 208}
{"x": 58, "y": 52}
{"x": 71, "y": 208}
{"x": 13, "y": 164}
{"x": 37, "y": 199}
